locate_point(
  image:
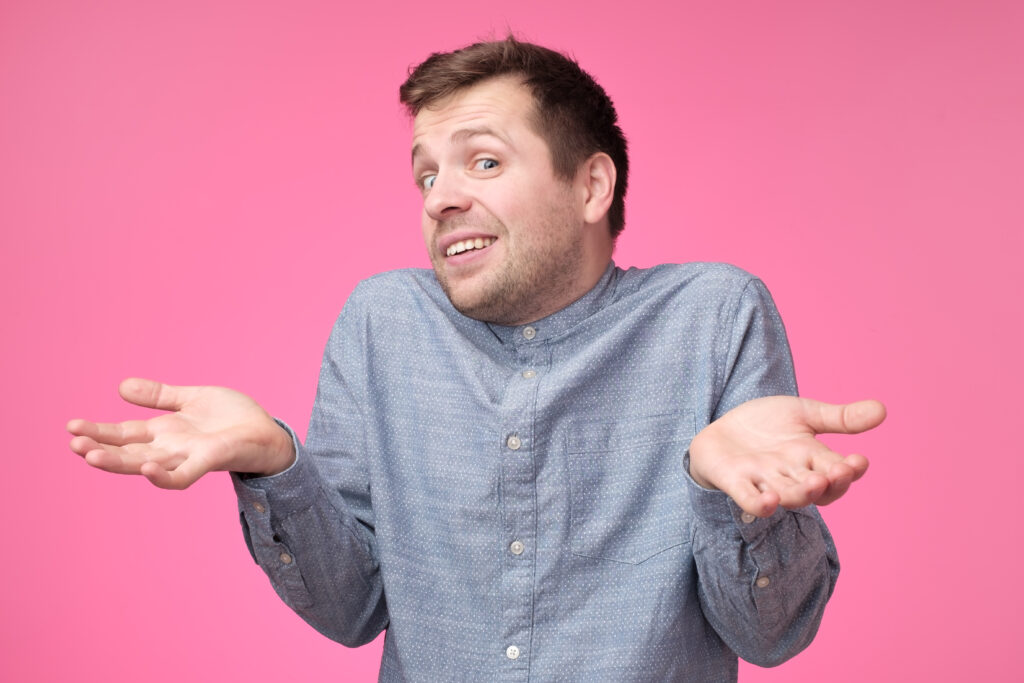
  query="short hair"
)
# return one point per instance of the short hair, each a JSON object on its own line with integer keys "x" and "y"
{"x": 574, "y": 115}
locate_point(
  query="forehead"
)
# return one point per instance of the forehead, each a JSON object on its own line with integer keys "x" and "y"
{"x": 503, "y": 105}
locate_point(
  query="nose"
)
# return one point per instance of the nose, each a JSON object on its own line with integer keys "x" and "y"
{"x": 446, "y": 197}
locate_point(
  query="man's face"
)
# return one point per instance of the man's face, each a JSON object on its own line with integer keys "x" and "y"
{"x": 503, "y": 233}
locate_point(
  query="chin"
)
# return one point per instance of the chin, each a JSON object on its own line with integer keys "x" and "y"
{"x": 477, "y": 310}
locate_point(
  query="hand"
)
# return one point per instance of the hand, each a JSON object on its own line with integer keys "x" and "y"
{"x": 211, "y": 428}
{"x": 763, "y": 453}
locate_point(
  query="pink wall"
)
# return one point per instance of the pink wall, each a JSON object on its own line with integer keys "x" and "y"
{"x": 189, "y": 190}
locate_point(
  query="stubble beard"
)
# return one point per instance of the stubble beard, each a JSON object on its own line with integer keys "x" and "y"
{"x": 536, "y": 278}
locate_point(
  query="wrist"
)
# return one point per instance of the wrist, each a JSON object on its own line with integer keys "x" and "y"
{"x": 281, "y": 452}
{"x": 696, "y": 454}
{"x": 269, "y": 451}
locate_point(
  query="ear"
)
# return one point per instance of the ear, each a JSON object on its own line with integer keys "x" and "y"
{"x": 597, "y": 178}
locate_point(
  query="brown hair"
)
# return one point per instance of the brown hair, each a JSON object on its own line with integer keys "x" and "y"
{"x": 574, "y": 114}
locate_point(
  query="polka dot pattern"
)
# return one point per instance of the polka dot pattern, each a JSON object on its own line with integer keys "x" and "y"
{"x": 513, "y": 503}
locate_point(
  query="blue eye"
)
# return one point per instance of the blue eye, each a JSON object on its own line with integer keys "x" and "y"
{"x": 487, "y": 164}
{"x": 428, "y": 181}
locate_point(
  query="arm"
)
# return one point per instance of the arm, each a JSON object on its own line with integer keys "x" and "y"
{"x": 312, "y": 528}
{"x": 766, "y": 561}
{"x": 319, "y": 558}
{"x": 316, "y": 548}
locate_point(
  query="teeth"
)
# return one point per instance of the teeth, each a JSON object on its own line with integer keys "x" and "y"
{"x": 466, "y": 245}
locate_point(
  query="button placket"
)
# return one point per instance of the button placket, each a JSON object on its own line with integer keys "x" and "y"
{"x": 519, "y": 492}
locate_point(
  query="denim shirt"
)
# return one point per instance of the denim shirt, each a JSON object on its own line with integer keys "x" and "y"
{"x": 514, "y": 503}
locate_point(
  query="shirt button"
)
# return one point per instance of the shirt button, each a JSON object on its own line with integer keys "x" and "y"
{"x": 517, "y": 548}
{"x": 512, "y": 652}
{"x": 286, "y": 558}
{"x": 762, "y": 581}
{"x": 259, "y": 507}
{"x": 529, "y": 332}
{"x": 529, "y": 374}
{"x": 513, "y": 442}
{"x": 747, "y": 517}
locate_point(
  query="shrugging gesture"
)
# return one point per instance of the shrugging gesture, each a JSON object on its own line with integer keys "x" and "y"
{"x": 207, "y": 429}
{"x": 764, "y": 453}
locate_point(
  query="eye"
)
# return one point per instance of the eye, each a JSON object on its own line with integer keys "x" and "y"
{"x": 486, "y": 164}
{"x": 427, "y": 181}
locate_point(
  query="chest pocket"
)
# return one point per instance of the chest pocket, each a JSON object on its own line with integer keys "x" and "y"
{"x": 627, "y": 486}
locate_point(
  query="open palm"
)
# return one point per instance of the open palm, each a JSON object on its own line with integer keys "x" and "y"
{"x": 764, "y": 453}
{"x": 210, "y": 428}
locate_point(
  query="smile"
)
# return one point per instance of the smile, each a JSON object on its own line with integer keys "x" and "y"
{"x": 469, "y": 245}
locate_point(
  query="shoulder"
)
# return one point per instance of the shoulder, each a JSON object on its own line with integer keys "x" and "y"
{"x": 696, "y": 282}
{"x": 395, "y": 293}
{"x": 396, "y": 302}
{"x": 406, "y": 285}
{"x": 383, "y": 306}
{"x": 695, "y": 299}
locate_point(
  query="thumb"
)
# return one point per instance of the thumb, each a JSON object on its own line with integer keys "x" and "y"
{"x": 850, "y": 418}
{"x": 152, "y": 394}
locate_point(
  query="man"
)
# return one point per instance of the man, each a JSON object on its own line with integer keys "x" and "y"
{"x": 528, "y": 464}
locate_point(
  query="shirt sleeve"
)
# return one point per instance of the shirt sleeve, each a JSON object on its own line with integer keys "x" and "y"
{"x": 763, "y": 583}
{"x": 310, "y": 528}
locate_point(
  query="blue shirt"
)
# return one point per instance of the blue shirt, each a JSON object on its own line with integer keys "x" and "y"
{"x": 514, "y": 503}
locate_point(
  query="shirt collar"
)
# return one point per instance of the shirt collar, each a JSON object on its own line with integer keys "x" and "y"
{"x": 561, "y": 321}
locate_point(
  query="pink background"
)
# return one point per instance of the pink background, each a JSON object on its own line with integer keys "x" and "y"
{"x": 190, "y": 189}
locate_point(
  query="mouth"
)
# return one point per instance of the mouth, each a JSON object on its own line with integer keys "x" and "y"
{"x": 473, "y": 244}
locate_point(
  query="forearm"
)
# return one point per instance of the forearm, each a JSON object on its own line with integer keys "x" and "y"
{"x": 319, "y": 558}
{"x": 763, "y": 583}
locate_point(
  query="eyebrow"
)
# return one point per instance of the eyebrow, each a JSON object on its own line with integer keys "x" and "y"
{"x": 464, "y": 134}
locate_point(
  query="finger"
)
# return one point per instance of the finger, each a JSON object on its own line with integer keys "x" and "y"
{"x": 116, "y": 459}
{"x": 116, "y": 433}
{"x": 181, "y": 477}
{"x": 107, "y": 458}
{"x": 769, "y": 503}
{"x": 826, "y": 460}
{"x": 798, "y": 492}
{"x": 841, "y": 475}
{"x": 807, "y": 455}
{"x": 100, "y": 456}
{"x": 103, "y": 459}
{"x": 758, "y": 500}
{"x": 152, "y": 394}
{"x": 120, "y": 459}
{"x": 850, "y": 418}
{"x": 858, "y": 463}
{"x": 77, "y": 426}
{"x": 83, "y": 444}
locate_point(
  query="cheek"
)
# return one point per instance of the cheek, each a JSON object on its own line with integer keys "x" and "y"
{"x": 427, "y": 228}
